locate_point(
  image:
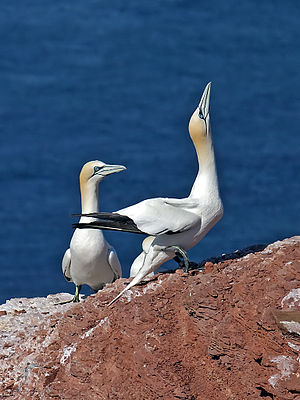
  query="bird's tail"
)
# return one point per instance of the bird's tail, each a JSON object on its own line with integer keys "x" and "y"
{"x": 137, "y": 279}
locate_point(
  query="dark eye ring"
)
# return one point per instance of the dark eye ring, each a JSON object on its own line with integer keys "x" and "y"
{"x": 96, "y": 169}
{"x": 201, "y": 116}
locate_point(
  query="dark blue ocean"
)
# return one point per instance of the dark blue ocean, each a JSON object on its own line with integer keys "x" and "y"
{"x": 117, "y": 81}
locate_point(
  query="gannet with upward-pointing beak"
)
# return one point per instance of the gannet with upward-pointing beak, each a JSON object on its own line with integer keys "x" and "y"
{"x": 177, "y": 224}
{"x": 90, "y": 259}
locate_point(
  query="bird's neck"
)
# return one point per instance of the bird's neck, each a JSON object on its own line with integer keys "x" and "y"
{"x": 89, "y": 198}
{"x": 206, "y": 182}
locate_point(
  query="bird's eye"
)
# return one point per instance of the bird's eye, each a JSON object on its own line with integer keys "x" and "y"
{"x": 201, "y": 116}
{"x": 96, "y": 169}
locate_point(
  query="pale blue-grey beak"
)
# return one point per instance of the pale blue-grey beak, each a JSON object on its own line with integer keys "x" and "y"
{"x": 204, "y": 102}
{"x": 111, "y": 169}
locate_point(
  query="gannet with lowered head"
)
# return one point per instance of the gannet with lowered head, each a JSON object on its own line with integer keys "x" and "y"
{"x": 90, "y": 259}
{"x": 177, "y": 224}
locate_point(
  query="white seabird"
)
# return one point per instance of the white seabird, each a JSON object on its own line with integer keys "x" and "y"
{"x": 90, "y": 259}
{"x": 177, "y": 224}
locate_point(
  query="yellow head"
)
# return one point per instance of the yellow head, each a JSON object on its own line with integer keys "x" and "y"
{"x": 95, "y": 171}
{"x": 91, "y": 174}
{"x": 199, "y": 127}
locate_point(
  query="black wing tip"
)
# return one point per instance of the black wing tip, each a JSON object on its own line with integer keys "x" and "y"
{"x": 82, "y": 226}
{"x": 110, "y": 221}
{"x": 108, "y": 227}
{"x": 101, "y": 215}
{"x": 92, "y": 215}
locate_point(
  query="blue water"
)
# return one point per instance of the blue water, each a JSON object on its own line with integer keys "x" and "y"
{"x": 117, "y": 81}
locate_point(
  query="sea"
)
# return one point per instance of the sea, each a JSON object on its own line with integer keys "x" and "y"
{"x": 117, "y": 81}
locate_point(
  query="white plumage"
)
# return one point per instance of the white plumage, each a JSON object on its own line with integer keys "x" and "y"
{"x": 90, "y": 259}
{"x": 139, "y": 261}
{"x": 180, "y": 223}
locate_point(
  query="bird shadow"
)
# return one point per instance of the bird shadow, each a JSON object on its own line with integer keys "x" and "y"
{"x": 224, "y": 257}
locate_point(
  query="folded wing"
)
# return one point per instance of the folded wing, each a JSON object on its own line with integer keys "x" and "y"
{"x": 153, "y": 217}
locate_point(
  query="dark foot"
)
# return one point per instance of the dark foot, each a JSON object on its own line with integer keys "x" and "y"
{"x": 192, "y": 264}
{"x": 180, "y": 257}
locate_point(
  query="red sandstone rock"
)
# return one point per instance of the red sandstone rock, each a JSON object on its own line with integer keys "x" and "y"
{"x": 231, "y": 332}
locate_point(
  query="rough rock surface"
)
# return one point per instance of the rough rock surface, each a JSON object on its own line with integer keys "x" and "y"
{"x": 231, "y": 332}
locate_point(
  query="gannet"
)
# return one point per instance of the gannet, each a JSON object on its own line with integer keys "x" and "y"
{"x": 176, "y": 224}
{"x": 90, "y": 259}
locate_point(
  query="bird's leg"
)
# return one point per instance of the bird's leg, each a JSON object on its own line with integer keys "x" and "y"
{"x": 180, "y": 255}
{"x": 179, "y": 261}
{"x": 76, "y": 296}
{"x": 75, "y": 299}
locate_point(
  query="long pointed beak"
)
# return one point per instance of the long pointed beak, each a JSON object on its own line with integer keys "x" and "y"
{"x": 111, "y": 169}
{"x": 204, "y": 102}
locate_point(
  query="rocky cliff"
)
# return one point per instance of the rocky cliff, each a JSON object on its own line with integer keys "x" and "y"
{"x": 230, "y": 332}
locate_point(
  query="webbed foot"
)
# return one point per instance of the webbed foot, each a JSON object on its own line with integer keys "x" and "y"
{"x": 180, "y": 257}
{"x": 75, "y": 299}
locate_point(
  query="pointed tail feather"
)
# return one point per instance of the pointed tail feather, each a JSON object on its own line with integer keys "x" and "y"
{"x": 117, "y": 297}
{"x": 137, "y": 279}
